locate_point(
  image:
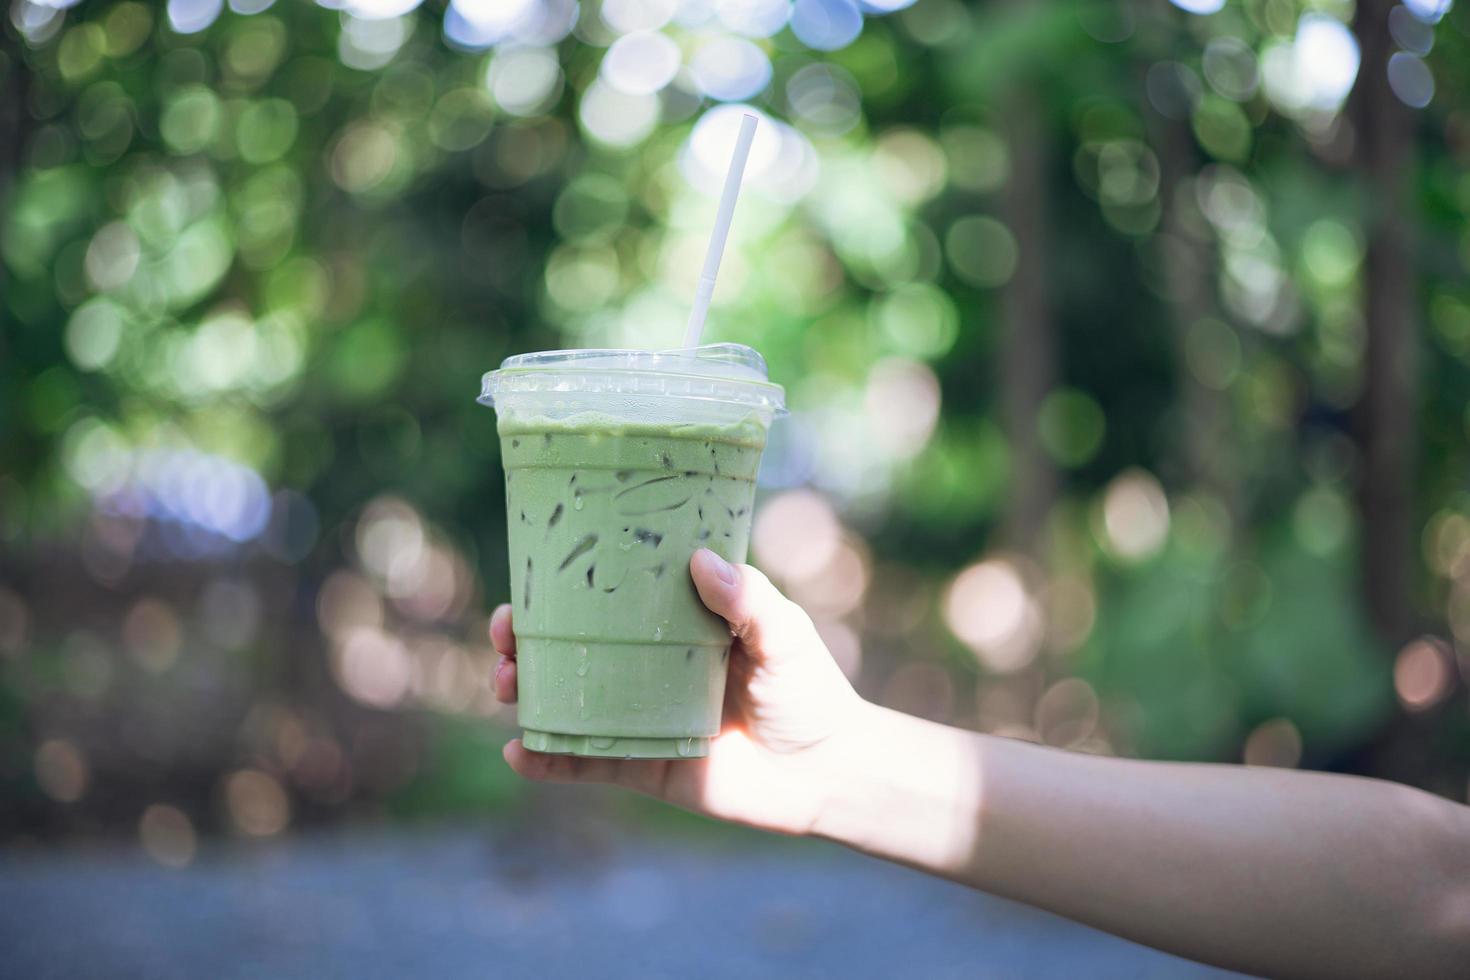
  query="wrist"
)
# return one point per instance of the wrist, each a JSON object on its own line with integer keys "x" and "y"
{"x": 902, "y": 788}
{"x": 837, "y": 773}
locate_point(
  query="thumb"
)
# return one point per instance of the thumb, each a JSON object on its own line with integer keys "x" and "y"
{"x": 768, "y": 625}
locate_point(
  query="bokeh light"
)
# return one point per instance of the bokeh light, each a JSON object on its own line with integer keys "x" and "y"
{"x": 1410, "y": 79}
{"x": 167, "y": 835}
{"x": 713, "y": 139}
{"x": 918, "y": 320}
{"x": 1412, "y": 32}
{"x": 838, "y": 586}
{"x": 477, "y": 24}
{"x": 1429, "y": 11}
{"x": 1067, "y": 713}
{"x": 1323, "y": 520}
{"x": 1071, "y": 426}
{"x": 525, "y": 81}
{"x": 1230, "y": 68}
{"x": 1316, "y": 70}
{"x": 617, "y": 119}
{"x": 730, "y": 69}
{"x": 1276, "y": 742}
{"x": 153, "y": 634}
{"x": 1423, "y": 674}
{"x": 368, "y": 44}
{"x": 902, "y": 400}
{"x": 979, "y": 159}
{"x": 641, "y": 63}
{"x": 795, "y": 535}
{"x": 1135, "y": 516}
{"x": 94, "y": 333}
{"x": 753, "y": 18}
{"x": 346, "y": 602}
{"x": 61, "y": 770}
{"x": 364, "y": 157}
{"x": 1071, "y": 611}
{"x": 826, "y": 25}
{"x": 379, "y": 9}
{"x": 257, "y": 804}
{"x": 981, "y": 251}
{"x": 631, "y": 16}
{"x": 1201, "y": 7}
{"x": 824, "y": 98}
{"x": 390, "y": 543}
{"x": 193, "y": 16}
{"x": 1446, "y": 544}
{"x": 911, "y": 165}
{"x": 372, "y": 667}
{"x": 990, "y": 609}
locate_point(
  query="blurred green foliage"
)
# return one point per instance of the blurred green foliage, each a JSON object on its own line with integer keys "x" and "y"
{"x": 256, "y": 259}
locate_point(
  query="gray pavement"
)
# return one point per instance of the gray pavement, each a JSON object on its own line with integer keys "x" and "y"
{"x": 447, "y": 902}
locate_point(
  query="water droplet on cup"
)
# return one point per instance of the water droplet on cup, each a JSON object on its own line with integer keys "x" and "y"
{"x": 602, "y": 742}
{"x": 685, "y": 746}
{"x": 583, "y": 668}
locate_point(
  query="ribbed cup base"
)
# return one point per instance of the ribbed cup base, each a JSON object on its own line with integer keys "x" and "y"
{"x": 615, "y": 747}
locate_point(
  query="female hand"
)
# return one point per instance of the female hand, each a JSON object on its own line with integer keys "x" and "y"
{"x": 1272, "y": 872}
{"x": 787, "y": 708}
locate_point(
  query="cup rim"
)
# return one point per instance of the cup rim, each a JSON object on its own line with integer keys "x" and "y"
{"x": 732, "y": 373}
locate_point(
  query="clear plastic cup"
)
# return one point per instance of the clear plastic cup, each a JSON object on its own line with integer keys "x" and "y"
{"x": 619, "y": 465}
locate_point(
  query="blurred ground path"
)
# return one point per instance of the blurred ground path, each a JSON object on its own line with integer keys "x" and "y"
{"x": 448, "y": 903}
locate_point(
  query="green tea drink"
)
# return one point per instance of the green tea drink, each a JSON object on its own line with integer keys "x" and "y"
{"x": 610, "y": 630}
{"x": 608, "y": 494}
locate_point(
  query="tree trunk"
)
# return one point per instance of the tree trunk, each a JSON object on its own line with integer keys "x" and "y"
{"x": 1028, "y": 349}
{"x": 1387, "y": 411}
{"x": 1204, "y": 439}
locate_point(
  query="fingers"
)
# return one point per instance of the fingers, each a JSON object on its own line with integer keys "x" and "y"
{"x": 505, "y": 681}
{"x": 502, "y": 637}
{"x": 769, "y": 625}
{"x": 648, "y": 776}
{"x": 504, "y": 641}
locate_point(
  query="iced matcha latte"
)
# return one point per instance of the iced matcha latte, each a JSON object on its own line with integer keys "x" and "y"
{"x": 618, "y": 466}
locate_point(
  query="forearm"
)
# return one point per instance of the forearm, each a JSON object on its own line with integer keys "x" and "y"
{"x": 1268, "y": 871}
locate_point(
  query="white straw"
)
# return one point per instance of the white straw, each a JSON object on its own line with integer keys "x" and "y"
{"x": 716, "y": 250}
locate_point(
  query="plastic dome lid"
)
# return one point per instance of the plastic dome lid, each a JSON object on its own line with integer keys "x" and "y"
{"x": 730, "y": 373}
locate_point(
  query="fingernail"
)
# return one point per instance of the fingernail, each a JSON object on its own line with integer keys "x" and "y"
{"x": 723, "y": 569}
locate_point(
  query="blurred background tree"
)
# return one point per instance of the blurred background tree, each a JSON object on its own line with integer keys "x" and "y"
{"x": 1127, "y": 344}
